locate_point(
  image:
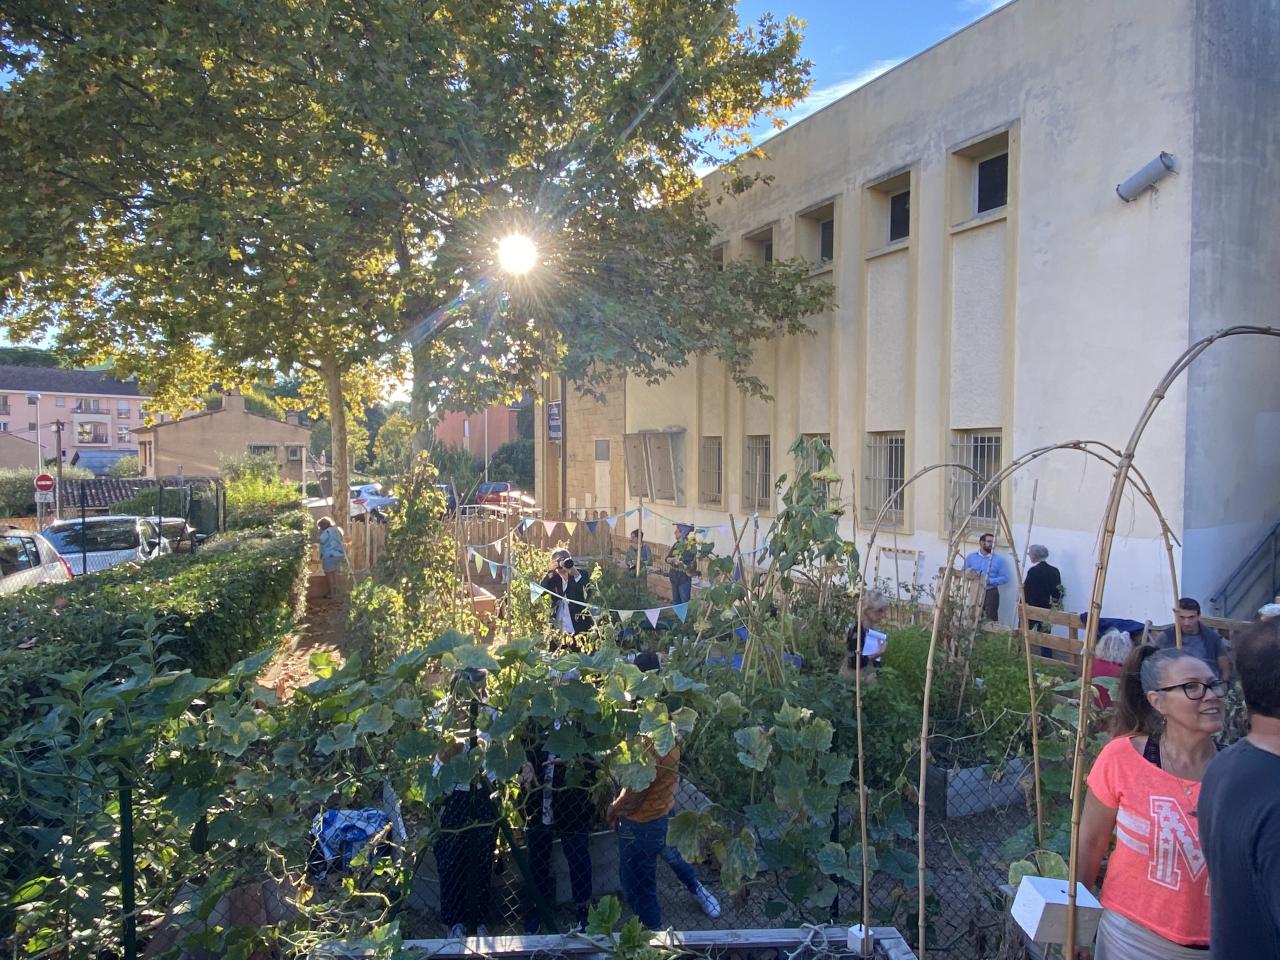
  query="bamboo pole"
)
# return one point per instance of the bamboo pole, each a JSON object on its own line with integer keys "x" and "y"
{"x": 992, "y": 485}
{"x": 1118, "y": 482}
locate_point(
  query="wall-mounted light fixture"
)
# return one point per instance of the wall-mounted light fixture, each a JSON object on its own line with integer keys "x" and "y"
{"x": 1146, "y": 178}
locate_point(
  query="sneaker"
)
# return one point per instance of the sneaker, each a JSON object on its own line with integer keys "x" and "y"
{"x": 710, "y": 905}
{"x": 457, "y": 932}
{"x": 482, "y": 931}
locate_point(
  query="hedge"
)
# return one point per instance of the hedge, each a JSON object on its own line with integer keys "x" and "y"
{"x": 222, "y": 601}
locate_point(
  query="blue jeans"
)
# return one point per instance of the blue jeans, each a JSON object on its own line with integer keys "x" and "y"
{"x": 680, "y": 867}
{"x": 681, "y": 587}
{"x": 639, "y": 846}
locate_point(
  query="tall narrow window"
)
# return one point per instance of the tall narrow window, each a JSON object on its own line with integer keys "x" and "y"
{"x": 602, "y": 450}
{"x": 710, "y": 467}
{"x": 757, "y": 479}
{"x": 980, "y": 451}
{"x": 717, "y": 259}
{"x": 900, "y": 216}
{"x": 884, "y": 468}
{"x": 827, "y": 240}
{"x": 992, "y": 187}
{"x": 767, "y": 249}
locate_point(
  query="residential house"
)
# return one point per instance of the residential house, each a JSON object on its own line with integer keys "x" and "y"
{"x": 995, "y": 293}
{"x": 478, "y": 433}
{"x": 196, "y": 445}
{"x": 18, "y": 451}
{"x": 98, "y": 413}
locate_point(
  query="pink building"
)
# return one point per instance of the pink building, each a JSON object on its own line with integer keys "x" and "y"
{"x": 98, "y": 413}
{"x": 468, "y": 430}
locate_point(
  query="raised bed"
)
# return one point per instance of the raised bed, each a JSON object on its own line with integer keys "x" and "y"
{"x": 965, "y": 791}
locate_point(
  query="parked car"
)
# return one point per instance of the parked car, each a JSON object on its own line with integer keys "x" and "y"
{"x": 498, "y": 493}
{"x": 101, "y": 542}
{"x": 26, "y": 558}
{"x": 450, "y": 498}
{"x": 369, "y": 498}
{"x": 182, "y": 537}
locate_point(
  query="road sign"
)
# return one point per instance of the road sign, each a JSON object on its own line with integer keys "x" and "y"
{"x": 44, "y": 496}
{"x": 553, "y": 421}
{"x": 44, "y": 482}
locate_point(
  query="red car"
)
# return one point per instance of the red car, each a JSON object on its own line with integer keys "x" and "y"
{"x": 496, "y": 493}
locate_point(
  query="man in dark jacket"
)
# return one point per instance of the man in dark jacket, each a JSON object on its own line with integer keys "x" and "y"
{"x": 1042, "y": 586}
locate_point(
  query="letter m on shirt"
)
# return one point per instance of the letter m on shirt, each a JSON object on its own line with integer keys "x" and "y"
{"x": 1175, "y": 841}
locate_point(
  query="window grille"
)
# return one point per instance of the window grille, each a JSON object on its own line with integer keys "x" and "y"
{"x": 757, "y": 481}
{"x": 884, "y": 470}
{"x": 980, "y": 450}
{"x": 710, "y": 467}
{"x": 262, "y": 450}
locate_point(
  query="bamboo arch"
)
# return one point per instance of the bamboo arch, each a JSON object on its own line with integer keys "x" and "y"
{"x": 1123, "y": 469}
{"x": 993, "y": 484}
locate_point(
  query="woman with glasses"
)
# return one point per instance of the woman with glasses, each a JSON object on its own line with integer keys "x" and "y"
{"x": 1143, "y": 790}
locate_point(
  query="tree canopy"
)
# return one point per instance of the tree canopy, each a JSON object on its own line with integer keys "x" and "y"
{"x": 205, "y": 192}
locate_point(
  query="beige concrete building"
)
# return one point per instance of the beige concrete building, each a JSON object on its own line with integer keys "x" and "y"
{"x": 196, "y": 445}
{"x": 994, "y": 293}
{"x": 594, "y": 477}
{"x": 20, "y": 452}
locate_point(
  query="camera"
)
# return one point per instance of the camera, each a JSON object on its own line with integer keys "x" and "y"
{"x": 567, "y": 563}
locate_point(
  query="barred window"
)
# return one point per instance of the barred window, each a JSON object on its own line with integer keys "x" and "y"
{"x": 710, "y": 467}
{"x": 980, "y": 450}
{"x": 884, "y": 470}
{"x": 757, "y": 475}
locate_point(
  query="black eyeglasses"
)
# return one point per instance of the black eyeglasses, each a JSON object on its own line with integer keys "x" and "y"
{"x": 1195, "y": 690}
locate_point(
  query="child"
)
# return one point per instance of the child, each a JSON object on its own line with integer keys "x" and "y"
{"x": 333, "y": 553}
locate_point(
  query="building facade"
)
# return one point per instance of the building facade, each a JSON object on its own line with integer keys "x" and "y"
{"x": 98, "y": 413}
{"x": 196, "y": 445}
{"x": 478, "y": 433}
{"x": 994, "y": 294}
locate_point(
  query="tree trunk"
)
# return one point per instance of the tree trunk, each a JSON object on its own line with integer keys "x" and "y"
{"x": 331, "y": 374}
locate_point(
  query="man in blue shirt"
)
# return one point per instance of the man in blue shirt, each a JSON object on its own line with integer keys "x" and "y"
{"x": 987, "y": 563}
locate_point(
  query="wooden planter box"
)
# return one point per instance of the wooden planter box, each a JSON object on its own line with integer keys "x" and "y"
{"x": 965, "y": 791}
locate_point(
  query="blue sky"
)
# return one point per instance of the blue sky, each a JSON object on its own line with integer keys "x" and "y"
{"x": 853, "y": 41}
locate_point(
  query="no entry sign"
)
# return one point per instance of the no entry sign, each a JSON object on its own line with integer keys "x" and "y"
{"x": 44, "y": 482}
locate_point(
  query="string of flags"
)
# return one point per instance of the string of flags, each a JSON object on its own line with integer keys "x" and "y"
{"x": 681, "y": 610}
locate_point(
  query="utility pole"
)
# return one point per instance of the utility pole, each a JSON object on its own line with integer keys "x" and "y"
{"x": 57, "y": 491}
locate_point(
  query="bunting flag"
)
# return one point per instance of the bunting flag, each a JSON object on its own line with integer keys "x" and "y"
{"x": 570, "y": 526}
{"x": 591, "y": 525}
{"x": 526, "y": 523}
{"x": 535, "y": 591}
{"x": 681, "y": 610}
{"x": 612, "y": 522}
{"x": 549, "y": 526}
{"x": 652, "y": 613}
{"x": 479, "y": 560}
{"x": 624, "y": 615}
{"x": 493, "y": 571}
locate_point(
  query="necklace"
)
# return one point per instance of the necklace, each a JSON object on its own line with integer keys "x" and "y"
{"x": 1186, "y": 784}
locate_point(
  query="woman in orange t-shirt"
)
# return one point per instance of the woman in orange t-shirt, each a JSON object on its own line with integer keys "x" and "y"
{"x": 1143, "y": 790}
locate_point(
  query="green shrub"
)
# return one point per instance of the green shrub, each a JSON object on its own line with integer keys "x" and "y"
{"x": 221, "y": 601}
{"x": 149, "y": 502}
{"x": 17, "y": 490}
{"x": 513, "y": 461}
{"x": 125, "y": 467}
{"x": 242, "y": 465}
{"x": 253, "y": 501}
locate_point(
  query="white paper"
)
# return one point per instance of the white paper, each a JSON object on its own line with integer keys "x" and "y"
{"x": 875, "y": 643}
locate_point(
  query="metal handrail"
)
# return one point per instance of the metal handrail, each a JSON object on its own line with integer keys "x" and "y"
{"x": 1249, "y": 571}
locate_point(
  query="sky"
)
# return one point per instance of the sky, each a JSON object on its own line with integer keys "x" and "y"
{"x": 854, "y": 41}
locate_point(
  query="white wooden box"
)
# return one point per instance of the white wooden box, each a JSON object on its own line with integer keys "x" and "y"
{"x": 1040, "y": 909}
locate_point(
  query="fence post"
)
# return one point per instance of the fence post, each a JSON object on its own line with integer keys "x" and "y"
{"x": 84, "y": 539}
{"x": 130, "y": 931}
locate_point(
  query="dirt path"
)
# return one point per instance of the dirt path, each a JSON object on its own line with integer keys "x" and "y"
{"x": 323, "y": 631}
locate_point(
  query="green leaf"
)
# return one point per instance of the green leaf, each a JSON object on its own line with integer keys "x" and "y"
{"x": 754, "y": 747}
{"x": 604, "y": 916}
{"x": 1019, "y": 869}
{"x": 376, "y": 719}
{"x": 740, "y": 862}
